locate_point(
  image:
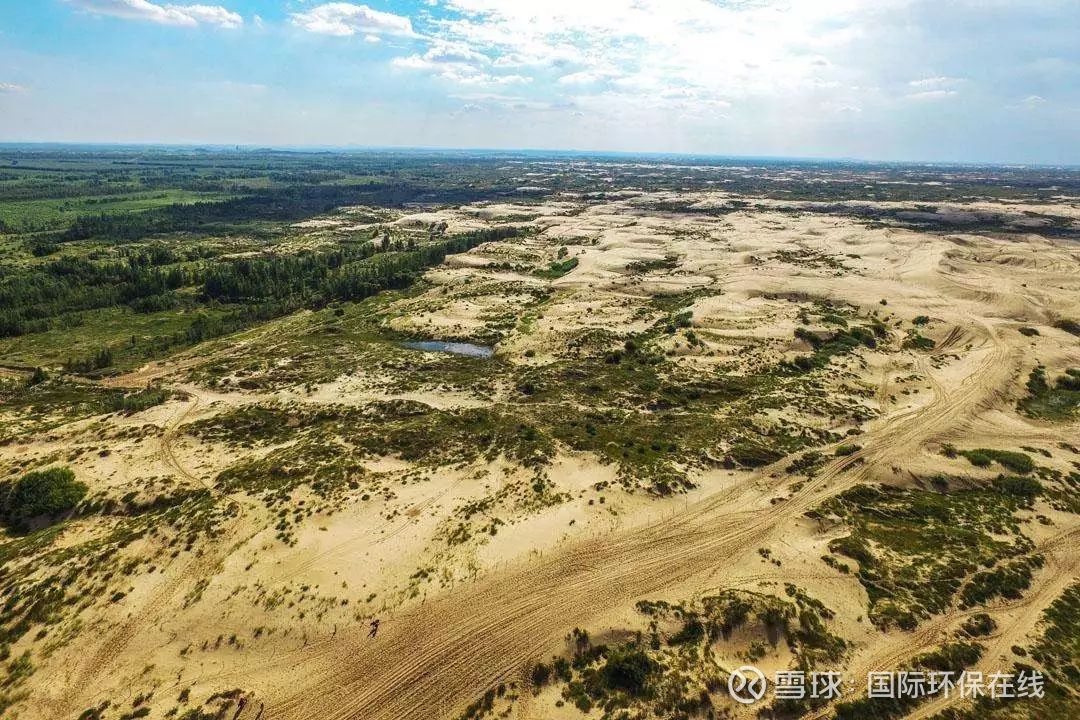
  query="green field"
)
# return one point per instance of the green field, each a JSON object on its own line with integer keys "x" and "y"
{"x": 54, "y": 213}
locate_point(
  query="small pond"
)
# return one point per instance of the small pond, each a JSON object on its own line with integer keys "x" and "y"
{"x": 457, "y": 348}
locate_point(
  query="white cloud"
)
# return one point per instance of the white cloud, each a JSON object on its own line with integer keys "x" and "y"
{"x": 454, "y": 52}
{"x": 938, "y": 82}
{"x": 11, "y": 88}
{"x": 346, "y": 19}
{"x": 712, "y": 53}
{"x": 461, "y": 73}
{"x": 457, "y": 62}
{"x": 179, "y": 15}
{"x": 586, "y": 77}
{"x": 1029, "y": 103}
{"x": 211, "y": 14}
{"x": 931, "y": 95}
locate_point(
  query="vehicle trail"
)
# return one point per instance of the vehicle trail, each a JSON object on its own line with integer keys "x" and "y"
{"x": 491, "y": 629}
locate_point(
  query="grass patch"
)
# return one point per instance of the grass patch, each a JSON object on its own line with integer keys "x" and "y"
{"x": 1015, "y": 461}
{"x": 951, "y": 657}
{"x": 1056, "y": 651}
{"x": 31, "y": 409}
{"x": 1055, "y": 401}
{"x": 918, "y": 550}
{"x": 670, "y": 669}
{"x": 557, "y": 269}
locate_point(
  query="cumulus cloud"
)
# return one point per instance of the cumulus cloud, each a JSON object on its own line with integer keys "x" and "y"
{"x": 711, "y": 52}
{"x": 11, "y": 88}
{"x": 211, "y": 14}
{"x": 346, "y": 19}
{"x": 179, "y": 15}
{"x": 459, "y": 63}
{"x": 462, "y": 73}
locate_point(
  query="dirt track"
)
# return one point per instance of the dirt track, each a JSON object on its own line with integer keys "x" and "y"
{"x": 431, "y": 660}
{"x": 434, "y": 660}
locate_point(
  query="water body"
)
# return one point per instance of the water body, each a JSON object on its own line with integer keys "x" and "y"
{"x": 457, "y": 348}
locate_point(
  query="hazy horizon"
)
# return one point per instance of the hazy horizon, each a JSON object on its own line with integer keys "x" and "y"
{"x": 533, "y": 151}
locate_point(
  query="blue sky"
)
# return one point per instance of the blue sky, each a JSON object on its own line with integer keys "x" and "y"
{"x": 949, "y": 80}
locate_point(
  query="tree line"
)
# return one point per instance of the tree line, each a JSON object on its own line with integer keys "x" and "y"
{"x": 288, "y": 204}
{"x": 238, "y": 292}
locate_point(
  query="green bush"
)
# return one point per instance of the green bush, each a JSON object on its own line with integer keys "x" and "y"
{"x": 42, "y": 494}
{"x": 39, "y": 376}
{"x": 978, "y": 625}
{"x": 541, "y": 675}
{"x": 557, "y": 269}
{"x": 1015, "y": 461}
{"x": 1070, "y": 380}
{"x": 915, "y": 341}
{"x": 628, "y": 669}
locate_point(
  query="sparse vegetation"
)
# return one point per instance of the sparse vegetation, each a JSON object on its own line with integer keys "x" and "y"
{"x": 918, "y": 550}
{"x": 1055, "y": 401}
{"x": 211, "y": 402}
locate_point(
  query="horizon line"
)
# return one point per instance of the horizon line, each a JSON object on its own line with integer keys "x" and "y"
{"x": 330, "y": 148}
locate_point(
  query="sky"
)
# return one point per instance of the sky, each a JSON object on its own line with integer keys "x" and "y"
{"x": 916, "y": 80}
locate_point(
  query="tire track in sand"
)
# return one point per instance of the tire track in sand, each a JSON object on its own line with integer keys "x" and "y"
{"x": 436, "y": 658}
{"x": 201, "y": 566}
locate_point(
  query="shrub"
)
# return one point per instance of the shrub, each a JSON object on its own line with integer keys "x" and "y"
{"x": 42, "y": 494}
{"x": 541, "y": 675}
{"x": 1022, "y": 487}
{"x": 915, "y": 341}
{"x": 692, "y": 632}
{"x": 1070, "y": 380}
{"x": 557, "y": 269}
{"x": 1009, "y": 581}
{"x": 1015, "y": 461}
{"x": 628, "y": 669}
{"x": 1069, "y": 326}
{"x": 135, "y": 402}
{"x": 1057, "y": 401}
{"x": 978, "y": 625}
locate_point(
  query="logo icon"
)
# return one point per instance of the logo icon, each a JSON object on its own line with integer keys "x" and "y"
{"x": 746, "y": 685}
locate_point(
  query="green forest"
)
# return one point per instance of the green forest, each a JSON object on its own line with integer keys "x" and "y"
{"x": 178, "y": 248}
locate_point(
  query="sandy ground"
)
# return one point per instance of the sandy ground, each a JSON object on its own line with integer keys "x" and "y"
{"x": 301, "y": 610}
